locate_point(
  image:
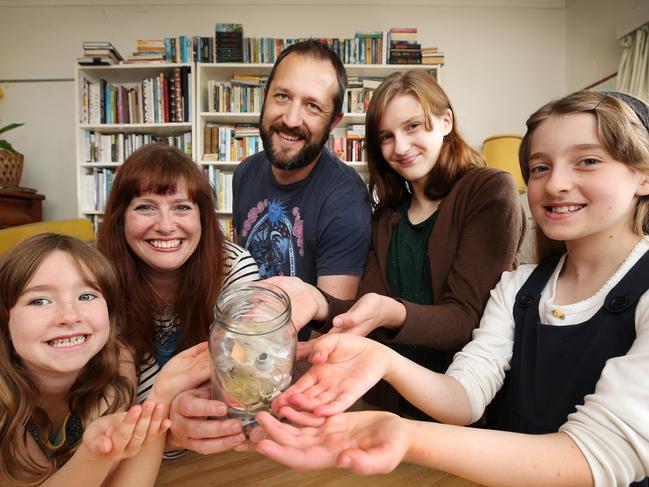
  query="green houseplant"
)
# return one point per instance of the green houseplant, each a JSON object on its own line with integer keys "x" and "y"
{"x": 11, "y": 161}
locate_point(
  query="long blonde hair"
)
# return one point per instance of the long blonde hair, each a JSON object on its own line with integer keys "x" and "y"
{"x": 621, "y": 132}
{"x": 98, "y": 380}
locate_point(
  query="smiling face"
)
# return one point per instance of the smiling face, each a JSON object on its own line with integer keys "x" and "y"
{"x": 406, "y": 144}
{"x": 576, "y": 189}
{"x": 298, "y": 111}
{"x": 59, "y": 321}
{"x": 163, "y": 230}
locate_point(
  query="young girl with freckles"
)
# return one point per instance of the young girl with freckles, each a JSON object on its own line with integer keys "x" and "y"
{"x": 444, "y": 229}
{"x": 562, "y": 349}
{"x": 66, "y": 383}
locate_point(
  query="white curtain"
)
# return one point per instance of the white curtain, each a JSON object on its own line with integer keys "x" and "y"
{"x": 633, "y": 74}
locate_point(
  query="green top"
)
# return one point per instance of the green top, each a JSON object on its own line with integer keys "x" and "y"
{"x": 409, "y": 277}
{"x": 407, "y": 268}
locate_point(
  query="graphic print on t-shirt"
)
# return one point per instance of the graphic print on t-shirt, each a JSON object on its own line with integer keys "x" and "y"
{"x": 272, "y": 238}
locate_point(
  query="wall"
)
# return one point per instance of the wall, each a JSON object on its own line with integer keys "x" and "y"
{"x": 593, "y": 29}
{"x": 502, "y": 63}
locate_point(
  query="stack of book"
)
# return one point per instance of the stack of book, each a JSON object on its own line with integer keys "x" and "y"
{"x": 431, "y": 55}
{"x": 403, "y": 46}
{"x": 148, "y": 51}
{"x": 99, "y": 53}
{"x": 228, "y": 43}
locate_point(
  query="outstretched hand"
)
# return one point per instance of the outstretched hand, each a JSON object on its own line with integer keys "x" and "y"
{"x": 371, "y": 311}
{"x": 187, "y": 370}
{"x": 364, "y": 442}
{"x": 344, "y": 368}
{"x": 122, "y": 435}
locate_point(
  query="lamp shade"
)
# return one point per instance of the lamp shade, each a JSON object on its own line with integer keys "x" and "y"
{"x": 501, "y": 151}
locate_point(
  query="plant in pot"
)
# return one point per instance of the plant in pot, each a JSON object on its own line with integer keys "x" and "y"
{"x": 11, "y": 162}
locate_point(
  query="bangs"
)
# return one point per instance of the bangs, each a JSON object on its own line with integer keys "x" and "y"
{"x": 164, "y": 180}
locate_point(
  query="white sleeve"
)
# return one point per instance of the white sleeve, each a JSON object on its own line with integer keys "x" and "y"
{"x": 481, "y": 365}
{"x": 612, "y": 427}
{"x": 239, "y": 265}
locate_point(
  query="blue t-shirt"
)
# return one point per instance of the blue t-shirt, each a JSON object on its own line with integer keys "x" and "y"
{"x": 316, "y": 227}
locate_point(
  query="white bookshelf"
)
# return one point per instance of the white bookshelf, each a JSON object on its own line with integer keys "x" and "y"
{"x": 127, "y": 75}
{"x": 200, "y": 75}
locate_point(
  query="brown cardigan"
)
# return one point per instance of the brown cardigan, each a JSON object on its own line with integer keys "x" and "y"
{"x": 477, "y": 235}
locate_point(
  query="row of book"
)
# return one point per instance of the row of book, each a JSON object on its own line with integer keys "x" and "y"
{"x": 230, "y": 142}
{"x": 227, "y": 226}
{"x": 363, "y": 48}
{"x": 233, "y": 143}
{"x": 348, "y": 143}
{"x": 221, "y": 181}
{"x": 227, "y": 47}
{"x": 108, "y": 148}
{"x": 96, "y": 184}
{"x": 241, "y": 94}
{"x": 162, "y": 99}
{"x": 245, "y": 94}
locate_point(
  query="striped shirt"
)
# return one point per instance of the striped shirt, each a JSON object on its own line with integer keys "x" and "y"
{"x": 239, "y": 267}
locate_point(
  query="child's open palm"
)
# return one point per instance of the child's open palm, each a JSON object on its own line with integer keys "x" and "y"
{"x": 122, "y": 435}
{"x": 345, "y": 367}
{"x": 364, "y": 442}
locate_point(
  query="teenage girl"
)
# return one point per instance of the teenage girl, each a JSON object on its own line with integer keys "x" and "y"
{"x": 565, "y": 344}
{"x": 444, "y": 229}
{"x": 65, "y": 382}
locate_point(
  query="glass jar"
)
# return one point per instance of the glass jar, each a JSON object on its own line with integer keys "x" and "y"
{"x": 252, "y": 346}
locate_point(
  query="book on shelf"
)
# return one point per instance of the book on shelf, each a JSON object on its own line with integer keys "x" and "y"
{"x": 234, "y": 96}
{"x": 226, "y": 226}
{"x": 228, "y": 43}
{"x": 347, "y": 143}
{"x": 160, "y": 99}
{"x": 403, "y": 47}
{"x": 221, "y": 182}
{"x": 223, "y": 142}
{"x": 431, "y": 55}
{"x": 98, "y": 148}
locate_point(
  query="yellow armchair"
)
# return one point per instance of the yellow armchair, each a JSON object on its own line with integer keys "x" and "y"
{"x": 76, "y": 227}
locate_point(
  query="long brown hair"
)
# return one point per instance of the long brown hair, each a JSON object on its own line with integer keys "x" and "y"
{"x": 455, "y": 158}
{"x": 98, "y": 381}
{"x": 158, "y": 168}
{"x": 622, "y": 134}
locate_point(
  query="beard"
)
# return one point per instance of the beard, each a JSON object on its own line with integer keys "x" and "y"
{"x": 305, "y": 156}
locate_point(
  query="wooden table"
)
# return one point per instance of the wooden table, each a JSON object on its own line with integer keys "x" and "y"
{"x": 252, "y": 469}
{"x": 19, "y": 206}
